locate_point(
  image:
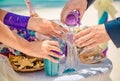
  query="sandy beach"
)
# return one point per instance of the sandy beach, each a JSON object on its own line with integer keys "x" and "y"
{"x": 90, "y": 18}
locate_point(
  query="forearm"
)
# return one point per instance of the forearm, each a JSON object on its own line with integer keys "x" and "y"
{"x": 18, "y": 21}
{"x": 2, "y": 14}
{"x": 113, "y": 30}
{"x": 15, "y": 20}
{"x": 10, "y": 39}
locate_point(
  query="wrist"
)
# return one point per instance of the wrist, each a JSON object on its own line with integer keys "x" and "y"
{"x": 26, "y": 48}
{"x": 30, "y": 47}
{"x": 21, "y": 44}
{"x": 33, "y": 23}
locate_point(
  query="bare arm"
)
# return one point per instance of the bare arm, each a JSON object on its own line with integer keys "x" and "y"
{"x": 40, "y": 49}
{"x": 2, "y": 14}
{"x": 11, "y": 39}
{"x": 33, "y": 23}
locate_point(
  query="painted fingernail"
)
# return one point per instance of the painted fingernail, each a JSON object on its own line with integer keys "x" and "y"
{"x": 58, "y": 53}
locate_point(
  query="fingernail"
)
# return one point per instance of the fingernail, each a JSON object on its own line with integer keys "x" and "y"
{"x": 59, "y": 53}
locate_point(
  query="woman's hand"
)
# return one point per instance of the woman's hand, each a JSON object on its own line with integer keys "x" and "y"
{"x": 91, "y": 37}
{"x": 45, "y": 27}
{"x": 40, "y": 25}
{"x": 71, "y": 5}
{"x": 43, "y": 49}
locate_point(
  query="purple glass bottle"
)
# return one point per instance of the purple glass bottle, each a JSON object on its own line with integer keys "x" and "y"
{"x": 73, "y": 18}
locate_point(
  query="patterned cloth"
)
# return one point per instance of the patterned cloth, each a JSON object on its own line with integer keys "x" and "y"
{"x": 8, "y": 50}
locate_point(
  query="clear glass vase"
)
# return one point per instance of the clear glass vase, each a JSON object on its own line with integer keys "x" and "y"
{"x": 72, "y": 60}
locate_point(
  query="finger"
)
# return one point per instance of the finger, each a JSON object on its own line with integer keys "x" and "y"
{"x": 87, "y": 43}
{"x": 90, "y": 46}
{"x": 54, "y": 48}
{"x": 54, "y": 31}
{"x": 53, "y": 43}
{"x": 81, "y": 14}
{"x": 62, "y": 14}
{"x": 51, "y": 59}
{"x": 65, "y": 14}
{"x": 83, "y": 39}
{"x": 82, "y": 11}
{"x": 59, "y": 31}
{"x": 82, "y": 33}
{"x": 60, "y": 28}
{"x": 49, "y": 35}
{"x": 56, "y": 34}
{"x": 64, "y": 11}
{"x": 55, "y": 54}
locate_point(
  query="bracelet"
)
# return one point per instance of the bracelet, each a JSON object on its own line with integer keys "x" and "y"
{"x": 17, "y": 22}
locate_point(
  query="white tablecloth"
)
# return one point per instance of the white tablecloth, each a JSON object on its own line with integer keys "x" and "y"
{"x": 92, "y": 72}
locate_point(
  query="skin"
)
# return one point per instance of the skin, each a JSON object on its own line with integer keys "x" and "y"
{"x": 91, "y": 37}
{"x": 40, "y": 25}
{"x": 45, "y": 27}
{"x": 40, "y": 49}
{"x": 71, "y": 5}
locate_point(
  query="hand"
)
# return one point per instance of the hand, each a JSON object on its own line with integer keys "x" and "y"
{"x": 91, "y": 37}
{"x": 71, "y": 5}
{"x": 43, "y": 49}
{"x": 45, "y": 27}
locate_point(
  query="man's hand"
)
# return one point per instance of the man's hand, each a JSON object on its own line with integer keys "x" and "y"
{"x": 91, "y": 37}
